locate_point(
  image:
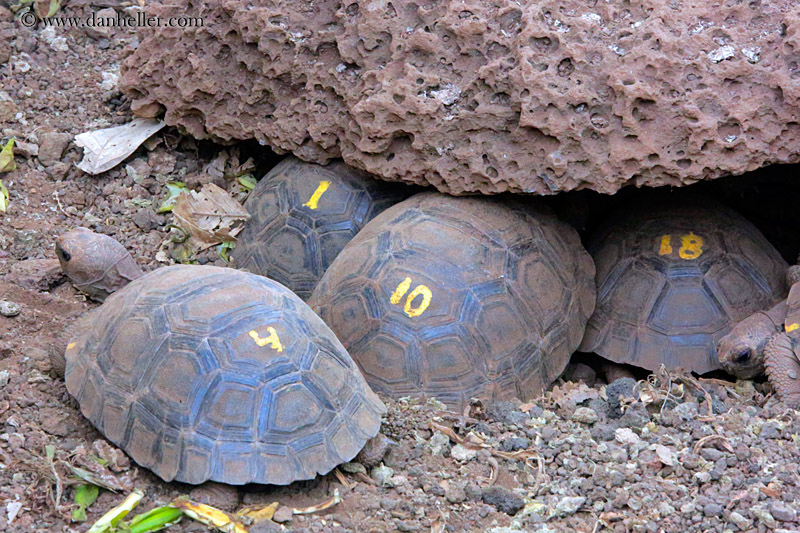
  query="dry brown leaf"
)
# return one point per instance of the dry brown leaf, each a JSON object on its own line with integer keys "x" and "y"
{"x": 210, "y": 216}
{"x": 258, "y": 513}
{"x": 572, "y": 393}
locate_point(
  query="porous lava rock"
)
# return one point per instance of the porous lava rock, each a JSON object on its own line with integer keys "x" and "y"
{"x": 487, "y": 96}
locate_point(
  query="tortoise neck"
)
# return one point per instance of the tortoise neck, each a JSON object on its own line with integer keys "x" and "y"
{"x": 777, "y": 315}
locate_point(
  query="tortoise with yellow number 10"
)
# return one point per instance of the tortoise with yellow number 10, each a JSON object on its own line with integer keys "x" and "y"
{"x": 204, "y": 373}
{"x": 457, "y": 298}
{"x": 673, "y": 278}
{"x": 302, "y": 215}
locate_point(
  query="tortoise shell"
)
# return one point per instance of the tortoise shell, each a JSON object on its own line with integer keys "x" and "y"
{"x": 205, "y": 373}
{"x": 302, "y": 215}
{"x": 674, "y": 278}
{"x": 459, "y": 298}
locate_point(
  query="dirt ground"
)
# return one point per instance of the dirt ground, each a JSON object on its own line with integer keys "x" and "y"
{"x": 670, "y": 454}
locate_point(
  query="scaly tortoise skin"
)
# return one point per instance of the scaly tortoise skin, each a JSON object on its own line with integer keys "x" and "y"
{"x": 768, "y": 341}
{"x": 302, "y": 215}
{"x": 96, "y": 264}
{"x": 673, "y": 278}
{"x": 459, "y": 298}
{"x": 203, "y": 373}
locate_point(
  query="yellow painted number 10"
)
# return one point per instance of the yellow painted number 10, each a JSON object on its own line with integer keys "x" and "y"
{"x": 691, "y": 246}
{"x": 419, "y": 290}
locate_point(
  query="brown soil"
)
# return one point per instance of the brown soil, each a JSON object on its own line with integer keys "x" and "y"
{"x": 685, "y": 455}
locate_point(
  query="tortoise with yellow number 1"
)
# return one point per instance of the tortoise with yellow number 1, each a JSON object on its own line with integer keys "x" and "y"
{"x": 302, "y": 215}
{"x": 673, "y": 278}
{"x": 204, "y": 373}
{"x": 460, "y": 298}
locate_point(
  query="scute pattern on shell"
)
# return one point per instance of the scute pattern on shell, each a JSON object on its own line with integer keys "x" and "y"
{"x": 511, "y": 290}
{"x": 657, "y": 308}
{"x": 169, "y": 371}
{"x": 288, "y": 241}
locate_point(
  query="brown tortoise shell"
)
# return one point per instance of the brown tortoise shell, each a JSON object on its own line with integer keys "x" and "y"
{"x": 181, "y": 370}
{"x": 459, "y": 298}
{"x": 659, "y": 301}
{"x": 297, "y": 226}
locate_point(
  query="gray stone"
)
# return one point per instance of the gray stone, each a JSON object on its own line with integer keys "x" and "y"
{"x": 9, "y": 309}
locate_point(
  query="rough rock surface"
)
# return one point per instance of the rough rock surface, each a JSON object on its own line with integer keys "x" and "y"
{"x": 488, "y": 95}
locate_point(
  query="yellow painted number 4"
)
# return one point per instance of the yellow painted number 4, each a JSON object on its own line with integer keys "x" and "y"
{"x": 273, "y": 340}
{"x": 419, "y": 290}
{"x": 314, "y": 200}
{"x": 691, "y": 246}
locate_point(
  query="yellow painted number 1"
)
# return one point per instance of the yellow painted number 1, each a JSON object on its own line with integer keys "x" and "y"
{"x": 314, "y": 200}
{"x": 691, "y": 246}
{"x": 419, "y": 290}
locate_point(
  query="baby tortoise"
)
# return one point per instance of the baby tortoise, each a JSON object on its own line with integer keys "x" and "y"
{"x": 673, "y": 278}
{"x": 204, "y": 373}
{"x": 460, "y": 298}
{"x": 303, "y": 214}
{"x": 768, "y": 341}
{"x": 96, "y": 264}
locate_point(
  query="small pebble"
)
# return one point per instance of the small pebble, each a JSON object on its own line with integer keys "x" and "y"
{"x": 712, "y": 509}
{"x": 740, "y": 521}
{"x": 569, "y": 505}
{"x": 503, "y": 499}
{"x": 782, "y": 512}
{"x": 283, "y": 514}
{"x": 462, "y": 453}
{"x": 9, "y": 309}
{"x": 382, "y": 475}
{"x": 584, "y": 415}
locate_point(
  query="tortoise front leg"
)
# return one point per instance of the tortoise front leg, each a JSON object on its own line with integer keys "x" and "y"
{"x": 782, "y": 366}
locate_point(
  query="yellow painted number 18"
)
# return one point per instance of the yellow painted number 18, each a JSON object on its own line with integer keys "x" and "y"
{"x": 691, "y": 246}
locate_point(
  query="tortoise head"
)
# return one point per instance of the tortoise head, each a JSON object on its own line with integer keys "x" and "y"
{"x": 741, "y": 352}
{"x": 89, "y": 259}
{"x": 72, "y": 250}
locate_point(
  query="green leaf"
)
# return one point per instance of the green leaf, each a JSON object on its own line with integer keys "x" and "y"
{"x": 55, "y": 5}
{"x": 4, "y": 198}
{"x": 247, "y": 181}
{"x": 225, "y": 249}
{"x": 85, "y": 496}
{"x": 7, "y": 163}
{"x": 111, "y": 518}
{"x": 155, "y": 520}
{"x": 174, "y": 188}
{"x": 50, "y": 451}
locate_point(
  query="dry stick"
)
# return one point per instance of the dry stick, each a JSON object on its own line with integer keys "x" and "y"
{"x": 708, "y": 438}
{"x": 521, "y": 455}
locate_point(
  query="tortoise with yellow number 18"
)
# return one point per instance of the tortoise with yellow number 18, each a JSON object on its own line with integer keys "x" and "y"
{"x": 673, "y": 278}
{"x": 460, "y": 298}
{"x": 302, "y": 215}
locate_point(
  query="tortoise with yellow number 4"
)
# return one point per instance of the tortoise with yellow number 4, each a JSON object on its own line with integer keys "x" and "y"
{"x": 460, "y": 298}
{"x": 302, "y": 215}
{"x": 204, "y": 373}
{"x": 673, "y": 278}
